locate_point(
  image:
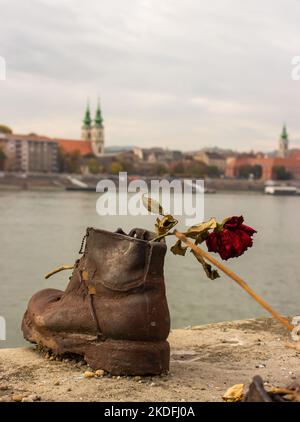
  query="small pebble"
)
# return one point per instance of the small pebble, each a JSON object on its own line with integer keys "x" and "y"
{"x": 34, "y": 397}
{"x": 100, "y": 373}
{"x": 17, "y": 397}
{"x": 56, "y": 383}
{"x": 88, "y": 374}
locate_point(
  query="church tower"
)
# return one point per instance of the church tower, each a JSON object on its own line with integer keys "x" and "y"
{"x": 283, "y": 146}
{"x": 97, "y": 134}
{"x": 86, "y": 128}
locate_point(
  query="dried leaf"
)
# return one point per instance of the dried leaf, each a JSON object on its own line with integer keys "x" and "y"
{"x": 295, "y": 346}
{"x": 287, "y": 393}
{"x": 279, "y": 390}
{"x": 201, "y": 237}
{"x": 178, "y": 249}
{"x": 152, "y": 205}
{"x": 198, "y": 230}
{"x": 211, "y": 273}
{"x": 234, "y": 393}
{"x": 165, "y": 224}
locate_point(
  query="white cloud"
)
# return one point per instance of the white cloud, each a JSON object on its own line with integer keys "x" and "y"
{"x": 179, "y": 74}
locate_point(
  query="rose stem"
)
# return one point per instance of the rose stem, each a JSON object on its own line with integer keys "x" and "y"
{"x": 235, "y": 277}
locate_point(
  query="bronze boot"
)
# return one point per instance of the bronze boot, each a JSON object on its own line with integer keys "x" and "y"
{"x": 114, "y": 311}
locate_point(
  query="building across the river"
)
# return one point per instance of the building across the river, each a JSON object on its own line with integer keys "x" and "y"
{"x": 284, "y": 162}
{"x": 33, "y": 153}
{"x": 30, "y": 153}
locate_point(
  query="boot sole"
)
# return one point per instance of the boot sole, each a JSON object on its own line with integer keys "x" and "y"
{"x": 118, "y": 357}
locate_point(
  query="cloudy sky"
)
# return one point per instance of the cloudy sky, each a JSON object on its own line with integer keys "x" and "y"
{"x": 173, "y": 73}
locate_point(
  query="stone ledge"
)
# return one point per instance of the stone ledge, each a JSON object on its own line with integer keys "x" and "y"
{"x": 205, "y": 361}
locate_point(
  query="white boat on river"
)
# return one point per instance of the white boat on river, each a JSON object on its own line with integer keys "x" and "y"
{"x": 281, "y": 190}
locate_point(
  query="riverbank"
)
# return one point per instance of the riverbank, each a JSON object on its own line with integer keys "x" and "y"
{"x": 205, "y": 361}
{"x": 62, "y": 181}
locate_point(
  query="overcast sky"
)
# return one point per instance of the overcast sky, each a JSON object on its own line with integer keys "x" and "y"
{"x": 175, "y": 73}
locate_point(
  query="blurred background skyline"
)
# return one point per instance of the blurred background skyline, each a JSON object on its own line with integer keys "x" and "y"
{"x": 175, "y": 74}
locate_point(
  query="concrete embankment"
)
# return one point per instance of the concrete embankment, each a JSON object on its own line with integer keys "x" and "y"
{"x": 205, "y": 361}
{"x": 62, "y": 181}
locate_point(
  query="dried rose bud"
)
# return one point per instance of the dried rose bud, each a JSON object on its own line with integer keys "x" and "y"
{"x": 232, "y": 239}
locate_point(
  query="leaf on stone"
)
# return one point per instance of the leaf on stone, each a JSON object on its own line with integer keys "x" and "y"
{"x": 234, "y": 393}
{"x": 295, "y": 346}
{"x": 152, "y": 205}
{"x": 199, "y": 230}
{"x": 211, "y": 273}
{"x": 178, "y": 249}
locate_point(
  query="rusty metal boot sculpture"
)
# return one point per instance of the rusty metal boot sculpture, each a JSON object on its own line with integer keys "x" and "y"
{"x": 114, "y": 310}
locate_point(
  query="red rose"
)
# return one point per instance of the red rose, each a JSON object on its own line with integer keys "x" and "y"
{"x": 232, "y": 240}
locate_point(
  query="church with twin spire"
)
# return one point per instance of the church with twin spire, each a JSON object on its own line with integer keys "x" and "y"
{"x": 93, "y": 131}
{"x": 92, "y": 136}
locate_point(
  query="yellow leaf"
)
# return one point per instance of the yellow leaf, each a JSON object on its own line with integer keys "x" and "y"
{"x": 195, "y": 231}
{"x": 234, "y": 393}
{"x": 178, "y": 249}
{"x": 165, "y": 224}
{"x": 152, "y": 205}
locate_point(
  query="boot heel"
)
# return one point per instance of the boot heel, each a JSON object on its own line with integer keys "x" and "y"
{"x": 122, "y": 357}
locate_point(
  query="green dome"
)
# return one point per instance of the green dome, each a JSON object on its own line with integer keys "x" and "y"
{"x": 87, "y": 117}
{"x": 284, "y": 134}
{"x": 98, "y": 118}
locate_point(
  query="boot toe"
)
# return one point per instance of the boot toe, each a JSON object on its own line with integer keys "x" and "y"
{"x": 41, "y": 301}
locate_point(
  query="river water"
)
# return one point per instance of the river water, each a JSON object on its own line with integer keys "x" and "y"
{"x": 42, "y": 230}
